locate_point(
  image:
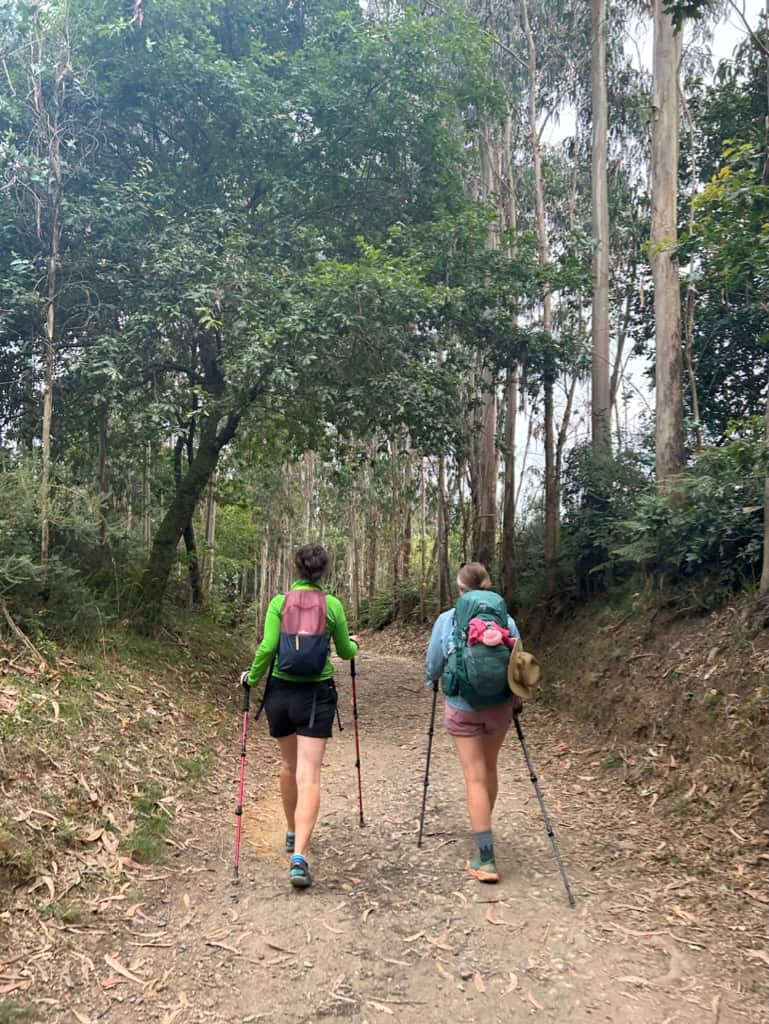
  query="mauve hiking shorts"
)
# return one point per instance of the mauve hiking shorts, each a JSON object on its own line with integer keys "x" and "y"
{"x": 494, "y": 721}
{"x": 304, "y": 709}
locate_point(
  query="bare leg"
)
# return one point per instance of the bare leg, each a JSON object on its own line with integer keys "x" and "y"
{"x": 473, "y": 761}
{"x": 478, "y": 757}
{"x": 287, "y": 746}
{"x": 491, "y": 748}
{"x": 310, "y": 750}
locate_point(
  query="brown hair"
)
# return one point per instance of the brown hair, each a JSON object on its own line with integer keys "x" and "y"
{"x": 473, "y": 576}
{"x": 311, "y": 561}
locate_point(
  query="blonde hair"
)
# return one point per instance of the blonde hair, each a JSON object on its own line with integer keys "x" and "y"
{"x": 473, "y": 576}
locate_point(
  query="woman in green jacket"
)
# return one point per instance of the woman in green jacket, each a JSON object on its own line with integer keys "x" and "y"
{"x": 300, "y": 697}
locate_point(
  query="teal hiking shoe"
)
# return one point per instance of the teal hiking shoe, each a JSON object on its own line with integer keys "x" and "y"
{"x": 485, "y": 871}
{"x": 299, "y": 872}
{"x": 290, "y": 842}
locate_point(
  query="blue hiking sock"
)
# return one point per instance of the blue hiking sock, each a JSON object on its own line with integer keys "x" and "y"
{"x": 485, "y": 843}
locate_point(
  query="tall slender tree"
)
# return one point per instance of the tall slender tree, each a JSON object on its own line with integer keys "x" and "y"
{"x": 601, "y": 401}
{"x": 664, "y": 245}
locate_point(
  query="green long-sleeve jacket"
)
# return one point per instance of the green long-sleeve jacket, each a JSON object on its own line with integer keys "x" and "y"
{"x": 336, "y": 628}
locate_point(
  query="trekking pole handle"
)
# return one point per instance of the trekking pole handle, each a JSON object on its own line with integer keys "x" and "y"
{"x": 246, "y": 697}
{"x": 352, "y": 666}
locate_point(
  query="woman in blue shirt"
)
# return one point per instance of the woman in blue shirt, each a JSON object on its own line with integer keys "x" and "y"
{"x": 478, "y": 734}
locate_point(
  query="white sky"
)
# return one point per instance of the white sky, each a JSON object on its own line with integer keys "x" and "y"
{"x": 727, "y": 35}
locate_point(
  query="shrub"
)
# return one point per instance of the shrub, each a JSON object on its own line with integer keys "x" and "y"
{"x": 709, "y": 529}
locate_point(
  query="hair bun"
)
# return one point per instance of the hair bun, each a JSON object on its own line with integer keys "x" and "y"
{"x": 311, "y": 561}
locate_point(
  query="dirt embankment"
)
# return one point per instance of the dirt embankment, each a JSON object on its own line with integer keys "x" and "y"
{"x": 682, "y": 701}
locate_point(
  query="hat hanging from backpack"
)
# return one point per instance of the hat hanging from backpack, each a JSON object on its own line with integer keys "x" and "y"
{"x": 523, "y": 673}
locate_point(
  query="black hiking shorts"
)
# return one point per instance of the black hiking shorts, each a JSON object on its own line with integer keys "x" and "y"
{"x": 304, "y": 709}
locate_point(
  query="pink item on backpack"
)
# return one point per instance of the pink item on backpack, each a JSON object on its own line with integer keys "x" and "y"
{"x": 489, "y": 634}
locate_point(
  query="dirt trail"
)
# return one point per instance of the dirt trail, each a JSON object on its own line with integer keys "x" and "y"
{"x": 389, "y": 932}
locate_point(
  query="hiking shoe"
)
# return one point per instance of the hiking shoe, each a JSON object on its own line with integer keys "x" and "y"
{"x": 299, "y": 873}
{"x": 484, "y": 872}
{"x": 289, "y": 842}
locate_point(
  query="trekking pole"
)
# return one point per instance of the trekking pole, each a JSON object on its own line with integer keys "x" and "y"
{"x": 239, "y": 808}
{"x": 548, "y": 826}
{"x": 357, "y": 738}
{"x": 430, "y": 732}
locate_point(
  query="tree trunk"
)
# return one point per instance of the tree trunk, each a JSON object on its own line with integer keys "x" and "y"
{"x": 101, "y": 472}
{"x": 664, "y": 241}
{"x": 308, "y": 489}
{"x": 422, "y": 537}
{"x": 691, "y": 298}
{"x": 178, "y": 516}
{"x": 193, "y": 564}
{"x": 264, "y": 584}
{"x": 601, "y": 402}
{"x": 371, "y": 552}
{"x": 48, "y": 114}
{"x": 210, "y": 535}
{"x": 483, "y": 473}
{"x": 508, "y": 504}
{"x": 444, "y": 586}
{"x": 763, "y": 586}
{"x": 551, "y": 500}
{"x": 146, "y": 499}
{"x": 484, "y": 459}
{"x": 354, "y": 565}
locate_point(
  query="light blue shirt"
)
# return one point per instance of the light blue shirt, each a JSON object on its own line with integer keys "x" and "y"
{"x": 439, "y": 648}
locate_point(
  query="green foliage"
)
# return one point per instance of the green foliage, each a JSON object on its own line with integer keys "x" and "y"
{"x": 12, "y": 1013}
{"x": 152, "y": 825}
{"x": 706, "y": 534}
{"x": 729, "y": 240}
{"x": 680, "y": 10}
{"x": 400, "y": 601}
{"x": 596, "y": 496}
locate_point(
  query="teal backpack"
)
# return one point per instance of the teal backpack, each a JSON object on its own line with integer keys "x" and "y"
{"x": 473, "y": 671}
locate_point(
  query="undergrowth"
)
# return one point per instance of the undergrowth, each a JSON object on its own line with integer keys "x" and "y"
{"x": 97, "y": 753}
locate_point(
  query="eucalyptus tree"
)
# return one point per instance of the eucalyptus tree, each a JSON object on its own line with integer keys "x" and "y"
{"x": 663, "y": 246}
{"x": 601, "y": 398}
{"x": 48, "y": 137}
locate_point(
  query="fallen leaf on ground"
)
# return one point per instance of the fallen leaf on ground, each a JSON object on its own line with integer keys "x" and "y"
{"x": 280, "y": 949}
{"x": 478, "y": 982}
{"x": 758, "y": 954}
{"x": 91, "y": 838}
{"x": 171, "y": 1016}
{"x": 45, "y": 880}
{"x": 121, "y": 969}
{"x": 336, "y": 931}
{"x": 132, "y": 865}
{"x": 111, "y": 982}
{"x": 12, "y": 986}
{"x": 443, "y": 972}
{"x": 380, "y": 1006}
{"x": 414, "y": 937}
{"x": 512, "y": 985}
{"x": 632, "y": 979}
{"x": 82, "y": 1017}
{"x": 493, "y": 920}
{"x": 223, "y": 945}
{"x": 533, "y": 1001}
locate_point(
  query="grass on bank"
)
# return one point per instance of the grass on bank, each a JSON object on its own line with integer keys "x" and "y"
{"x": 98, "y": 754}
